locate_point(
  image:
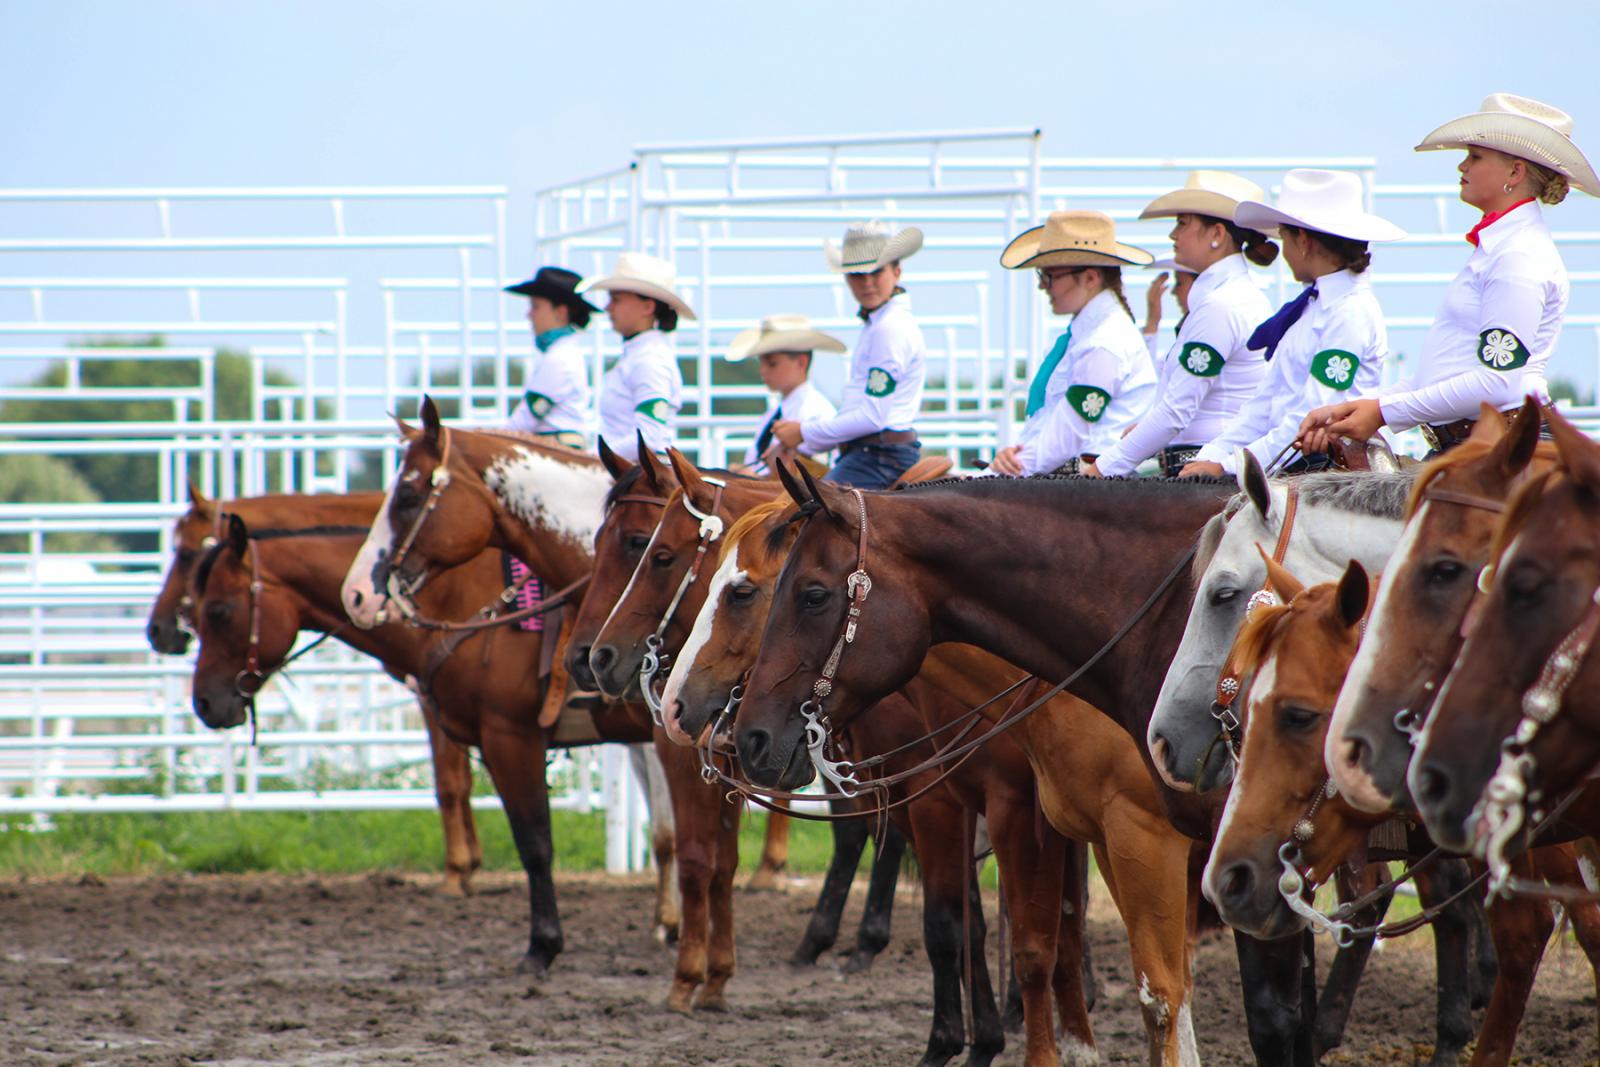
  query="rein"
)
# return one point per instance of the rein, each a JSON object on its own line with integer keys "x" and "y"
{"x": 655, "y": 660}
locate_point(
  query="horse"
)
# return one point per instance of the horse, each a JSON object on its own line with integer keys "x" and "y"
{"x": 1284, "y": 831}
{"x": 1320, "y": 521}
{"x": 168, "y": 633}
{"x": 631, "y": 605}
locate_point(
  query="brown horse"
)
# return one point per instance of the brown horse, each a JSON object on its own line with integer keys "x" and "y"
{"x": 1091, "y": 785}
{"x": 1280, "y": 819}
{"x": 168, "y": 633}
{"x": 1519, "y": 707}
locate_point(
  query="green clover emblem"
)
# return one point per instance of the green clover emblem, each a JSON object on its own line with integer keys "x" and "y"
{"x": 657, "y": 410}
{"x": 1201, "y": 360}
{"x": 1501, "y": 350}
{"x": 1335, "y": 368}
{"x": 1089, "y": 401}
{"x": 539, "y": 404}
{"x": 879, "y": 382}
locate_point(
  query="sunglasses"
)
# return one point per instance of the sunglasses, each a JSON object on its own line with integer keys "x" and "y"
{"x": 1048, "y": 276}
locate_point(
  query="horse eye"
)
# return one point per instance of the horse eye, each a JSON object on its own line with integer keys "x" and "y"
{"x": 1298, "y": 719}
{"x": 186, "y": 557}
{"x": 1222, "y": 596}
{"x": 815, "y": 598}
{"x": 218, "y": 612}
{"x": 1445, "y": 571}
{"x": 1525, "y": 588}
{"x": 664, "y": 559}
{"x": 638, "y": 543}
{"x": 407, "y": 496}
{"x": 741, "y": 594}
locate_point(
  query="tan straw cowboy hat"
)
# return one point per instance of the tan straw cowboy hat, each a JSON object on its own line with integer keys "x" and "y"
{"x": 647, "y": 276}
{"x": 1072, "y": 239}
{"x": 1328, "y": 201}
{"x": 781, "y": 333}
{"x": 870, "y": 246}
{"x": 1523, "y": 128}
{"x": 1206, "y": 192}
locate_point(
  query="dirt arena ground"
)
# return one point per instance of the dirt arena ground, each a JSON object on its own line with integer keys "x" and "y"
{"x": 382, "y": 970}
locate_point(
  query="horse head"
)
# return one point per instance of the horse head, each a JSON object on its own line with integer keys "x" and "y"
{"x": 169, "y": 627}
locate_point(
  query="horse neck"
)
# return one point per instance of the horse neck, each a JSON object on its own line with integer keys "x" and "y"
{"x": 547, "y": 506}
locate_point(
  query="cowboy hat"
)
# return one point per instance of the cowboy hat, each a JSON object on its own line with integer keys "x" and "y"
{"x": 1328, "y": 201}
{"x": 646, "y": 276}
{"x": 555, "y": 284}
{"x": 870, "y": 246}
{"x": 1171, "y": 264}
{"x": 780, "y": 333}
{"x": 1072, "y": 239}
{"x": 1214, "y": 193}
{"x": 1523, "y": 128}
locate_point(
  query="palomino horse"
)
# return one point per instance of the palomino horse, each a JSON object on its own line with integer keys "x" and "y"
{"x": 198, "y": 529}
{"x": 1331, "y": 519}
{"x": 1283, "y": 831}
{"x": 1514, "y": 730}
{"x": 633, "y": 603}
{"x": 1047, "y": 573}
{"x": 252, "y": 598}
{"x": 458, "y": 492}
{"x": 1416, "y": 618}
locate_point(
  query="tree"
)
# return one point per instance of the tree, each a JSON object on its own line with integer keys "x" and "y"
{"x": 48, "y": 480}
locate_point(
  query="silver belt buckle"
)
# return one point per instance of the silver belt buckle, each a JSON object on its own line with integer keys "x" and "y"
{"x": 1430, "y": 435}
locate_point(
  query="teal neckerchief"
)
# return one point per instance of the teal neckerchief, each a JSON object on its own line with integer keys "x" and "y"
{"x": 550, "y": 337}
{"x": 1041, "y": 380}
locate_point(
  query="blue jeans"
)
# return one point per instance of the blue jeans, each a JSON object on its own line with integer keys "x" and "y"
{"x": 874, "y": 466}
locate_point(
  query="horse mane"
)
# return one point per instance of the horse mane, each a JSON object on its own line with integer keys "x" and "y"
{"x": 202, "y": 570}
{"x": 1266, "y": 624}
{"x": 1381, "y": 494}
{"x": 766, "y": 550}
{"x": 208, "y": 562}
{"x": 1031, "y": 479}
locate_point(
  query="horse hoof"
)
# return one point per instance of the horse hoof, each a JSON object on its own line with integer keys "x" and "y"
{"x": 859, "y": 962}
{"x": 705, "y": 1001}
{"x": 455, "y": 886}
{"x": 533, "y": 967}
{"x": 765, "y": 878}
{"x": 681, "y": 999}
{"x": 665, "y": 934}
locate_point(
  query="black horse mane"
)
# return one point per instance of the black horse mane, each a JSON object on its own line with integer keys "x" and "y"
{"x": 208, "y": 562}
{"x": 1078, "y": 479}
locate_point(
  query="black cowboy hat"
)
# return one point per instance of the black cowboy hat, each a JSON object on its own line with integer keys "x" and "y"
{"x": 556, "y": 284}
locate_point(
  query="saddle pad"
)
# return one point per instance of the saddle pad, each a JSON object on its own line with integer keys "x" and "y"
{"x": 530, "y": 594}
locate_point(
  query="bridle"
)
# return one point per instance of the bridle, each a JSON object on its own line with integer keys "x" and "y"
{"x": 655, "y": 660}
{"x": 395, "y": 586}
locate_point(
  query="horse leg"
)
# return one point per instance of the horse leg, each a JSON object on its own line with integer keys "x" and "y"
{"x": 515, "y": 759}
{"x": 1339, "y": 992}
{"x": 1579, "y": 859}
{"x": 1032, "y": 866}
{"x": 1269, "y": 972}
{"x": 1521, "y": 929}
{"x": 696, "y": 816}
{"x": 1452, "y": 949}
{"x": 720, "y": 951}
{"x": 652, "y": 778}
{"x": 774, "y": 850}
{"x": 872, "y": 936}
{"x": 1073, "y": 980}
{"x": 849, "y": 839}
{"x": 452, "y": 787}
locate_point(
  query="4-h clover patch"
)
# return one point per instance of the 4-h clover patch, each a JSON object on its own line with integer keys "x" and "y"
{"x": 659, "y": 409}
{"x": 1335, "y": 368}
{"x": 1501, "y": 350}
{"x": 1088, "y": 400}
{"x": 879, "y": 382}
{"x": 539, "y": 404}
{"x": 1201, "y": 360}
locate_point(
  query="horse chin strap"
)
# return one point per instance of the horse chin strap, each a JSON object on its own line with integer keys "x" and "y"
{"x": 655, "y": 660}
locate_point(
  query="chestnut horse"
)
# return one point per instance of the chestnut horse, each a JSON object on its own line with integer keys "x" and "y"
{"x": 168, "y": 633}
{"x": 1281, "y": 821}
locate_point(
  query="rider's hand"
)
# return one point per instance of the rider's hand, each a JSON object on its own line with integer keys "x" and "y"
{"x": 1089, "y": 470}
{"x": 1202, "y": 469}
{"x": 788, "y": 431}
{"x": 1005, "y": 461}
{"x": 1358, "y": 419}
{"x": 1152, "y": 303}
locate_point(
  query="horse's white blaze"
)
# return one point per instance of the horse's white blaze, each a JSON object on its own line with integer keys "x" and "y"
{"x": 363, "y": 601}
{"x": 727, "y": 574}
{"x": 564, "y": 498}
{"x": 1265, "y": 681}
{"x": 1355, "y": 785}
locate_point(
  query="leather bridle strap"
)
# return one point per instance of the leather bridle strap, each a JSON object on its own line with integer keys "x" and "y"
{"x": 1468, "y": 500}
{"x": 1230, "y": 682}
{"x": 711, "y": 529}
{"x": 441, "y": 481}
{"x": 489, "y": 617}
{"x": 857, "y": 586}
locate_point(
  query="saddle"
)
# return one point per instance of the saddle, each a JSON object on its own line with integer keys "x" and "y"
{"x": 926, "y": 469}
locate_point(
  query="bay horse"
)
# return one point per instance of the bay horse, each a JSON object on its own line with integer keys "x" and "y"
{"x": 644, "y": 552}
{"x": 1515, "y": 728}
{"x": 168, "y": 633}
{"x": 1283, "y": 822}
{"x": 1043, "y": 572}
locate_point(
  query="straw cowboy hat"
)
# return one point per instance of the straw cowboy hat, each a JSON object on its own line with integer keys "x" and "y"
{"x": 870, "y": 246}
{"x": 1072, "y": 239}
{"x": 781, "y": 333}
{"x": 645, "y": 275}
{"x": 1328, "y": 201}
{"x": 1523, "y": 128}
{"x": 555, "y": 284}
{"x": 1206, "y": 192}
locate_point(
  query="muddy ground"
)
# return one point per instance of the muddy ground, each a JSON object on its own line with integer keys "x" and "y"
{"x": 245, "y": 970}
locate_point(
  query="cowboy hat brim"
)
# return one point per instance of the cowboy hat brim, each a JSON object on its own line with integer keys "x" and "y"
{"x": 1191, "y": 202}
{"x": 902, "y": 245}
{"x": 641, "y": 288}
{"x": 1520, "y": 136}
{"x": 1023, "y": 251}
{"x": 554, "y": 293}
{"x": 1359, "y": 226}
{"x": 752, "y": 343}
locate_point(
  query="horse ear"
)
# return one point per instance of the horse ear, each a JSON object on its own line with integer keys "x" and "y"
{"x": 1579, "y": 455}
{"x": 816, "y": 494}
{"x": 1279, "y": 580}
{"x": 407, "y": 431}
{"x": 1516, "y": 448}
{"x": 1355, "y": 588}
{"x": 688, "y": 475}
{"x": 1490, "y": 427}
{"x": 238, "y": 536}
{"x": 792, "y": 487}
{"x": 615, "y": 465}
{"x": 197, "y": 499}
{"x": 654, "y": 474}
{"x": 1253, "y": 482}
{"x": 431, "y": 425}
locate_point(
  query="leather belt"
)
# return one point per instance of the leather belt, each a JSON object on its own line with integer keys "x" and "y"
{"x": 1444, "y": 438}
{"x": 1174, "y": 458}
{"x": 882, "y": 437}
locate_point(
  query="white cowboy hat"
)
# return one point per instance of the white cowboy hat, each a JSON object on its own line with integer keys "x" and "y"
{"x": 1206, "y": 192}
{"x": 1523, "y": 128}
{"x": 870, "y": 246}
{"x": 781, "y": 333}
{"x": 1329, "y": 201}
{"x": 1072, "y": 239}
{"x": 645, "y": 275}
{"x": 1171, "y": 264}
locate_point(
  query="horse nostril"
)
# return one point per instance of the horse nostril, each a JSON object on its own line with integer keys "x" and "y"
{"x": 1433, "y": 784}
{"x": 1238, "y": 882}
{"x": 601, "y": 657}
{"x": 355, "y": 598}
{"x": 1354, "y": 753}
{"x": 754, "y": 747}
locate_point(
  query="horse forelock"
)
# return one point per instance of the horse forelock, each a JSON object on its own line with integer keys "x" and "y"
{"x": 1268, "y": 624}
{"x": 761, "y": 555}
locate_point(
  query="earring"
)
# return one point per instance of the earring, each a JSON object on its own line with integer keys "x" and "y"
{"x": 1213, "y": 244}
{"x": 1506, "y": 187}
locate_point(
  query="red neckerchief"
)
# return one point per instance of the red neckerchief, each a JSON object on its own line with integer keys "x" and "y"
{"x": 1492, "y": 218}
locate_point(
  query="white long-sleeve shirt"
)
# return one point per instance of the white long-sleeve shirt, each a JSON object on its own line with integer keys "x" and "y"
{"x": 1334, "y": 352}
{"x": 884, "y": 391}
{"x": 641, "y": 393}
{"x": 1207, "y": 374}
{"x": 1494, "y": 333}
{"x": 1104, "y": 382}
{"x": 556, "y": 396}
{"x": 803, "y": 402}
